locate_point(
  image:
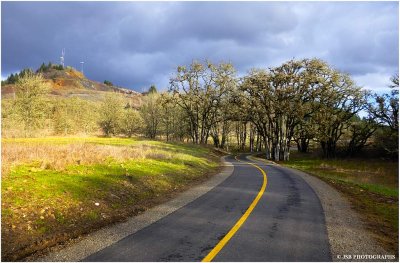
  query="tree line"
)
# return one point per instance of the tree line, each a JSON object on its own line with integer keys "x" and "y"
{"x": 13, "y": 78}
{"x": 270, "y": 110}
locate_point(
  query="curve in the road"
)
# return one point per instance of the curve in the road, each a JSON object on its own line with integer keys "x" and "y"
{"x": 240, "y": 222}
{"x": 287, "y": 224}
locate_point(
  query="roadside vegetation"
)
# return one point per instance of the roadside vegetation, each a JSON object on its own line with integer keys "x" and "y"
{"x": 57, "y": 188}
{"x": 371, "y": 185}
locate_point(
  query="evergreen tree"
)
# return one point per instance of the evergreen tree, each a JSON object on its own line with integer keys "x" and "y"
{"x": 108, "y": 83}
{"x": 152, "y": 89}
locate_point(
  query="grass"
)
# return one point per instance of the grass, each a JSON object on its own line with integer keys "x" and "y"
{"x": 371, "y": 185}
{"x": 69, "y": 140}
{"x": 376, "y": 176}
{"x": 57, "y": 188}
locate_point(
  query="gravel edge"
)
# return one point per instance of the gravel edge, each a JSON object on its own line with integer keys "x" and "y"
{"x": 107, "y": 236}
{"x": 346, "y": 232}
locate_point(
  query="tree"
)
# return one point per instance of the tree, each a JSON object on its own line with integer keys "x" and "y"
{"x": 110, "y": 114}
{"x": 74, "y": 115}
{"x": 152, "y": 89}
{"x": 338, "y": 101}
{"x": 173, "y": 121}
{"x": 108, "y": 83}
{"x": 150, "y": 112}
{"x": 360, "y": 131}
{"x": 58, "y": 67}
{"x": 300, "y": 100}
{"x": 11, "y": 125}
{"x": 10, "y": 79}
{"x": 44, "y": 68}
{"x": 303, "y": 133}
{"x": 292, "y": 98}
{"x": 279, "y": 100}
{"x": 41, "y": 68}
{"x": 226, "y": 87}
{"x": 131, "y": 122}
{"x": 29, "y": 103}
{"x": 386, "y": 112}
{"x": 25, "y": 72}
{"x": 199, "y": 90}
{"x": 62, "y": 123}
{"x": 256, "y": 95}
{"x": 13, "y": 78}
{"x": 227, "y": 112}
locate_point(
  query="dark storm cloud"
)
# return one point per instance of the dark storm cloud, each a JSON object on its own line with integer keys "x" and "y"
{"x": 136, "y": 44}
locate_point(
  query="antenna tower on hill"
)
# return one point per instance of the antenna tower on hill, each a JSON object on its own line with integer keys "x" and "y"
{"x": 62, "y": 57}
{"x": 82, "y": 62}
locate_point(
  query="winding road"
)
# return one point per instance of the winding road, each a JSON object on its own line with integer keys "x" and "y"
{"x": 260, "y": 213}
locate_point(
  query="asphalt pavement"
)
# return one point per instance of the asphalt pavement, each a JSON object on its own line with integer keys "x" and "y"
{"x": 287, "y": 223}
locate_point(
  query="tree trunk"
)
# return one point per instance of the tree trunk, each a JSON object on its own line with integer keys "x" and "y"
{"x": 244, "y": 136}
{"x": 251, "y": 138}
{"x": 302, "y": 145}
{"x": 225, "y": 131}
{"x": 329, "y": 148}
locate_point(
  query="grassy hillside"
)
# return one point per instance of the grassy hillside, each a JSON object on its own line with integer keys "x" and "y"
{"x": 69, "y": 103}
{"x": 68, "y": 82}
{"x": 57, "y": 188}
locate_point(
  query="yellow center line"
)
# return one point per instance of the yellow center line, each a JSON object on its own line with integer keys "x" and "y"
{"x": 240, "y": 222}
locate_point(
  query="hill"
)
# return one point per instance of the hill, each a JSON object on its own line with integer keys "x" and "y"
{"x": 69, "y": 82}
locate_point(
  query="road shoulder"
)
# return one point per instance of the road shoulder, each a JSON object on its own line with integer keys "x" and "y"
{"x": 346, "y": 232}
{"x": 84, "y": 246}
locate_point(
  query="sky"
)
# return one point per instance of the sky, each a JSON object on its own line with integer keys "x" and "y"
{"x": 137, "y": 44}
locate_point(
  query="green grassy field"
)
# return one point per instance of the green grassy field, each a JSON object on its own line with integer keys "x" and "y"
{"x": 370, "y": 184}
{"x": 57, "y": 188}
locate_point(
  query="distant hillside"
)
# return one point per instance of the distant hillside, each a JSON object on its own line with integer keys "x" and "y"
{"x": 69, "y": 82}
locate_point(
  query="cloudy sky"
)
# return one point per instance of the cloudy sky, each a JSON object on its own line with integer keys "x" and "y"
{"x": 136, "y": 44}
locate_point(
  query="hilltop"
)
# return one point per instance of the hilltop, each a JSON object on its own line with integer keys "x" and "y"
{"x": 69, "y": 82}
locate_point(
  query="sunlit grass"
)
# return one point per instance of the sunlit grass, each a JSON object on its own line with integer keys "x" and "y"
{"x": 377, "y": 176}
{"x": 50, "y": 185}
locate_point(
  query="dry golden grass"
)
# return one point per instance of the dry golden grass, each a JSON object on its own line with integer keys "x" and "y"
{"x": 58, "y": 157}
{"x": 16, "y": 130}
{"x": 75, "y": 73}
